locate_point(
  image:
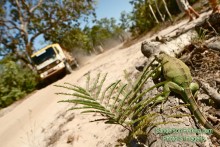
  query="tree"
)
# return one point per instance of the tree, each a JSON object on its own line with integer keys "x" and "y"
{"x": 105, "y": 29}
{"x": 141, "y": 16}
{"x": 88, "y": 38}
{"x": 76, "y": 38}
{"x": 125, "y": 20}
{"x": 22, "y": 21}
{"x": 147, "y": 13}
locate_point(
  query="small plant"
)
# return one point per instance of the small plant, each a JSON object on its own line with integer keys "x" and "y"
{"x": 200, "y": 37}
{"x": 127, "y": 105}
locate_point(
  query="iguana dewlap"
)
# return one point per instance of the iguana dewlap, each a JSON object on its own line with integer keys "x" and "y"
{"x": 179, "y": 80}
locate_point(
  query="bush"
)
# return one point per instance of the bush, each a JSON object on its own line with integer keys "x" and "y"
{"x": 15, "y": 82}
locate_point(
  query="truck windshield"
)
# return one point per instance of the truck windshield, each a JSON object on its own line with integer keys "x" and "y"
{"x": 47, "y": 54}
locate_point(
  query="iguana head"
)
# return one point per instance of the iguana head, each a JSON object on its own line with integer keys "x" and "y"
{"x": 162, "y": 56}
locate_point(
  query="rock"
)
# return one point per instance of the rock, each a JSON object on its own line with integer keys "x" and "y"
{"x": 140, "y": 67}
{"x": 162, "y": 39}
{"x": 148, "y": 48}
{"x": 215, "y": 45}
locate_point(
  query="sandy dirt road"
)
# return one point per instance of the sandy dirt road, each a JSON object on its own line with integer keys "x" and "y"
{"x": 34, "y": 120}
{"x": 40, "y": 121}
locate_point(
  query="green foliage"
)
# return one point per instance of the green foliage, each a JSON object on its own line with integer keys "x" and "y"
{"x": 88, "y": 38}
{"x": 128, "y": 105}
{"x": 200, "y": 38}
{"x": 74, "y": 39}
{"x": 125, "y": 20}
{"x": 141, "y": 17}
{"x": 22, "y": 21}
{"x": 15, "y": 82}
{"x": 105, "y": 29}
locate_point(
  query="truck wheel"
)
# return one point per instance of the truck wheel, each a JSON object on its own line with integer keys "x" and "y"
{"x": 68, "y": 68}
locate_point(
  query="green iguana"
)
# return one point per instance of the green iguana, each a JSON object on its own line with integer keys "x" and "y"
{"x": 179, "y": 80}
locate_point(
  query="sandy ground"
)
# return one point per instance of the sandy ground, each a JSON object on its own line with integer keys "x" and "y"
{"x": 40, "y": 121}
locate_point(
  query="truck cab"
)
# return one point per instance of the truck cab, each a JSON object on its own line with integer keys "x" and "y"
{"x": 52, "y": 59}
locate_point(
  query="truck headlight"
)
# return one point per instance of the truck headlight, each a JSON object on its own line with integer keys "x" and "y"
{"x": 42, "y": 75}
{"x": 58, "y": 61}
{"x": 61, "y": 65}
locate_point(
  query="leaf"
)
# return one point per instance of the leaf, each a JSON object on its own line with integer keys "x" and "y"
{"x": 117, "y": 97}
{"x": 97, "y": 111}
{"x": 80, "y": 95}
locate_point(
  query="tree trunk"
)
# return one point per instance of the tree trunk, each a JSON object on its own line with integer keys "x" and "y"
{"x": 23, "y": 57}
{"x": 158, "y": 10}
{"x": 151, "y": 9}
{"x": 167, "y": 10}
{"x": 29, "y": 49}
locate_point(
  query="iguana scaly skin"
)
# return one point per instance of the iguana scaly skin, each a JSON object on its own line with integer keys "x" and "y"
{"x": 179, "y": 80}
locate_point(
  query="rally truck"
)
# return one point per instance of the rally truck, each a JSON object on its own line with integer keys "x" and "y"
{"x": 51, "y": 60}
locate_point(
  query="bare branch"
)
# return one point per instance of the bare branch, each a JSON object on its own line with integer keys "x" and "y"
{"x": 213, "y": 93}
{"x": 23, "y": 23}
{"x": 35, "y": 7}
{"x": 26, "y": 5}
{"x": 39, "y": 33}
{"x": 14, "y": 26}
{"x": 19, "y": 12}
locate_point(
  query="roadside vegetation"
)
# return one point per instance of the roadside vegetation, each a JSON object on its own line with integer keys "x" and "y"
{"x": 16, "y": 81}
{"x": 22, "y": 22}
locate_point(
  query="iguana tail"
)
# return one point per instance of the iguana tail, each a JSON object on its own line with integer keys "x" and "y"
{"x": 198, "y": 114}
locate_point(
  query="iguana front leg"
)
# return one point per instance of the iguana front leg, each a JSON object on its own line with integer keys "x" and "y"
{"x": 168, "y": 87}
{"x": 171, "y": 86}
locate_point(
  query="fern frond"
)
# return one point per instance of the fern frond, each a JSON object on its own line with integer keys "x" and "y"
{"x": 100, "y": 86}
{"x": 129, "y": 80}
{"x": 105, "y": 91}
{"x": 101, "y": 119}
{"x": 111, "y": 92}
{"x": 88, "y": 82}
{"x": 81, "y": 90}
{"x": 95, "y": 83}
{"x": 146, "y": 77}
{"x": 85, "y": 107}
{"x": 93, "y": 104}
{"x": 146, "y": 103}
{"x": 179, "y": 115}
{"x": 80, "y": 95}
{"x": 122, "y": 103}
{"x": 127, "y": 104}
{"x": 118, "y": 95}
{"x": 106, "y": 113}
{"x": 146, "y": 121}
{"x": 142, "y": 76}
{"x": 134, "y": 100}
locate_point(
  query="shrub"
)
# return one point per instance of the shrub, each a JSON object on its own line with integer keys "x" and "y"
{"x": 15, "y": 82}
